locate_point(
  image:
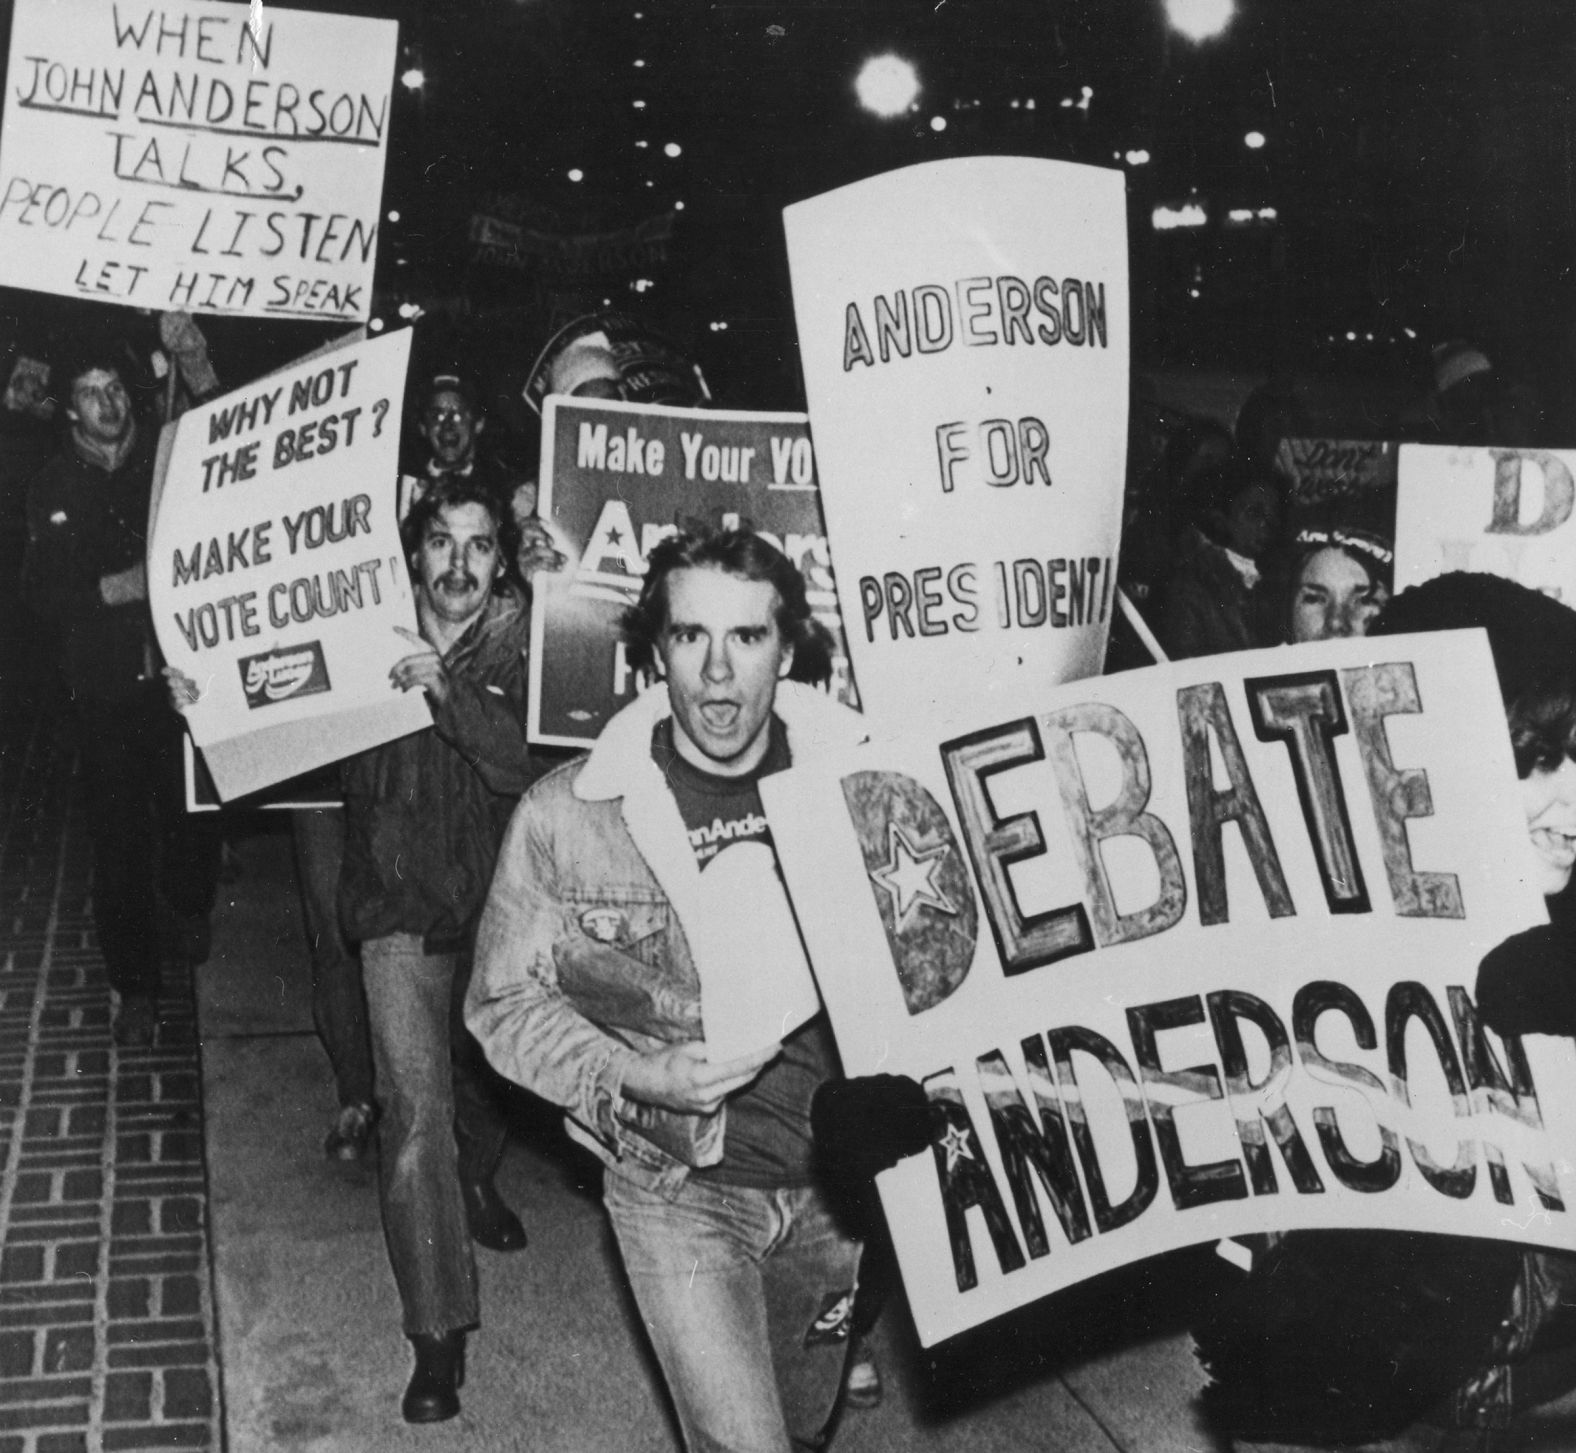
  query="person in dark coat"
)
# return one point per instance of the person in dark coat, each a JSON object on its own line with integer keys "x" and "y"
{"x": 155, "y": 866}
{"x": 424, "y": 817}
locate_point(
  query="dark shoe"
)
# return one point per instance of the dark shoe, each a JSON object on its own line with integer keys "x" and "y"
{"x": 492, "y": 1223}
{"x": 137, "y": 1022}
{"x": 352, "y": 1133}
{"x": 433, "y": 1395}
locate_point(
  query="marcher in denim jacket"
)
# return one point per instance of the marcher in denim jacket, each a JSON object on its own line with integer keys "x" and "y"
{"x": 607, "y": 917}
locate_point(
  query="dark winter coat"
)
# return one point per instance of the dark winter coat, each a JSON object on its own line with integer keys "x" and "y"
{"x": 84, "y": 523}
{"x": 424, "y": 814}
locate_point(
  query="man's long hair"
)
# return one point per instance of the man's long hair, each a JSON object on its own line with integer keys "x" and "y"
{"x": 447, "y": 493}
{"x": 739, "y": 552}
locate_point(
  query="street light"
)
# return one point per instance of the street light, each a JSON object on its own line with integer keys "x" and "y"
{"x": 887, "y": 85}
{"x": 1200, "y": 20}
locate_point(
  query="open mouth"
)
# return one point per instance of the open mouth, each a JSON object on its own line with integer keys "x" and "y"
{"x": 720, "y": 716}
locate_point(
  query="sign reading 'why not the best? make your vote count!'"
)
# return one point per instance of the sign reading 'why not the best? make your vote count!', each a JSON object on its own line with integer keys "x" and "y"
{"x": 275, "y": 571}
{"x": 1186, "y": 953}
{"x": 183, "y": 154}
{"x": 963, "y": 327}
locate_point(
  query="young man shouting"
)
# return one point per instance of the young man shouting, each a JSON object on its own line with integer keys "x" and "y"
{"x": 597, "y": 937}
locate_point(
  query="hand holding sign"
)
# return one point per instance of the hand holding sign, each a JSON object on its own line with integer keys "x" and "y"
{"x": 423, "y": 669}
{"x": 681, "y": 1078}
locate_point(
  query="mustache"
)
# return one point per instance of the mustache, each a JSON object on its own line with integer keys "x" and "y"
{"x": 458, "y": 580}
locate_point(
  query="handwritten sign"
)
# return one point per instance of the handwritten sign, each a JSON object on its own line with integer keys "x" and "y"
{"x": 1500, "y": 511}
{"x": 1185, "y": 953}
{"x": 616, "y": 479}
{"x": 963, "y": 327}
{"x": 211, "y": 158}
{"x": 275, "y": 572}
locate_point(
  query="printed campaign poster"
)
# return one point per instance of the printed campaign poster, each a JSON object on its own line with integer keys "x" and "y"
{"x": 210, "y": 158}
{"x": 275, "y": 572}
{"x": 963, "y": 327}
{"x": 1500, "y": 511}
{"x": 617, "y": 478}
{"x": 1186, "y": 953}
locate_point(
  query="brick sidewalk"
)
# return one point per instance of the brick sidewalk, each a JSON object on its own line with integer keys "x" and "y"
{"x": 106, "y": 1305}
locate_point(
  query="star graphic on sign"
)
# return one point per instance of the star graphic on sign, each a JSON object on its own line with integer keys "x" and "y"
{"x": 614, "y": 535}
{"x": 956, "y": 1143}
{"x": 909, "y": 876}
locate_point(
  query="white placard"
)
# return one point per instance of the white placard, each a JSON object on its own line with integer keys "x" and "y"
{"x": 963, "y": 327}
{"x": 1500, "y": 511}
{"x": 1218, "y": 923}
{"x": 214, "y": 158}
{"x": 275, "y": 572}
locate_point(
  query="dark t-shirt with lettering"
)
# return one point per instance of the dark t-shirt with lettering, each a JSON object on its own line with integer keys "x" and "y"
{"x": 768, "y": 1136}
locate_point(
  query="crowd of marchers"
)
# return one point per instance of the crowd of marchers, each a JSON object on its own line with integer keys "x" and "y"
{"x": 477, "y": 908}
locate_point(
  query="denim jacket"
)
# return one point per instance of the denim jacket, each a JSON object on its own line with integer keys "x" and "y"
{"x": 588, "y": 947}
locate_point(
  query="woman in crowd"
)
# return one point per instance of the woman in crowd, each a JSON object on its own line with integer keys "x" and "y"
{"x": 1346, "y": 1337}
{"x": 1329, "y": 582}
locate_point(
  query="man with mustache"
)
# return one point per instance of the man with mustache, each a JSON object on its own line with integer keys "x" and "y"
{"x": 424, "y": 816}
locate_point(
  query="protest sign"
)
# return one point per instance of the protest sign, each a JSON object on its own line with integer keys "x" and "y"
{"x": 963, "y": 327}
{"x": 616, "y": 478}
{"x": 1188, "y": 952}
{"x": 275, "y": 572}
{"x": 186, "y": 155}
{"x": 1346, "y": 481}
{"x": 1500, "y": 511}
{"x": 315, "y": 791}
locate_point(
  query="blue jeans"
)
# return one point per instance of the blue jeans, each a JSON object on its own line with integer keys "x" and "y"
{"x": 435, "y": 1126}
{"x": 748, "y": 1297}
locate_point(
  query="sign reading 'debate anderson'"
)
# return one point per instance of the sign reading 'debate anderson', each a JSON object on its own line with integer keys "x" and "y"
{"x": 211, "y": 158}
{"x": 616, "y": 479}
{"x": 963, "y": 327}
{"x": 275, "y": 572}
{"x": 1501, "y": 511}
{"x": 1185, "y": 953}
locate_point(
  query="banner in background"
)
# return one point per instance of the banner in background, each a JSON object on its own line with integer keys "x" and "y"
{"x": 186, "y": 155}
{"x": 963, "y": 327}
{"x": 1500, "y": 511}
{"x": 275, "y": 572}
{"x": 616, "y": 478}
{"x": 1184, "y": 953}
{"x": 1340, "y": 481}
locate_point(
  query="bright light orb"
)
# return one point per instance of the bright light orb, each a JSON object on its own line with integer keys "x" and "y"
{"x": 1200, "y": 19}
{"x": 938, "y": 123}
{"x": 413, "y": 79}
{"x": 1254, "y": 140}
{"x": 575, "y": 174}
{"x": 887, "y": 85}
{"x": 673, "y": 149}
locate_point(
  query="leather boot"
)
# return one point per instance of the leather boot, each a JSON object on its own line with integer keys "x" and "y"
{"x": 492, "y": 1224}
{"x": 433, "y": 1395}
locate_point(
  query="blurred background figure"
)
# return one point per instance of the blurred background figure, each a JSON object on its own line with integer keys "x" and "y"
{"x": 1228, "y": 523}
